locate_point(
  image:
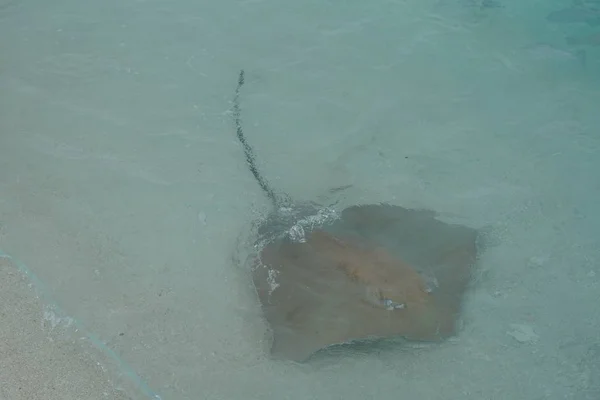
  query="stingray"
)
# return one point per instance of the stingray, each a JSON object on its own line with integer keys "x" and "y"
{"x": 327, "y": 277}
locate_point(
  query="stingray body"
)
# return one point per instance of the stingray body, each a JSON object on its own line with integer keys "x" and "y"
{"x": 325, "y": 277}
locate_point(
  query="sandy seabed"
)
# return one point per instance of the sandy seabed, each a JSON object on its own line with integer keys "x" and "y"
{"x": 124, "y": 192}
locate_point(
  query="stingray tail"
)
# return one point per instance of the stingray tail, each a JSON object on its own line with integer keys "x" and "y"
{"x": 248, "y": 152}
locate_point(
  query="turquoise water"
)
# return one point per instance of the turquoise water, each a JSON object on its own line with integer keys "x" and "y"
{"x": 124, "y": 191}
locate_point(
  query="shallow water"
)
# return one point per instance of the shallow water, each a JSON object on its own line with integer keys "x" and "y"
{"x": 122, "y": 186}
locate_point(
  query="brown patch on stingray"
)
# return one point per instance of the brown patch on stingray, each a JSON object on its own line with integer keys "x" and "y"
{"x": 389, "y": 283}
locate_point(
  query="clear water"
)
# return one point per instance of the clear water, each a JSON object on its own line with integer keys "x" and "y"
{"x": 123, "y": 189}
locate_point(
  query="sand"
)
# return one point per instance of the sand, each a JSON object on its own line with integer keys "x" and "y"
{"x": 122, "y": 187}
{"x": 43, "y": 355}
